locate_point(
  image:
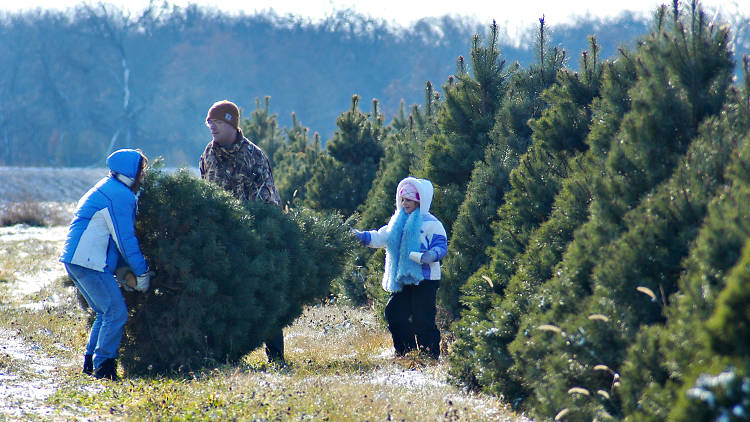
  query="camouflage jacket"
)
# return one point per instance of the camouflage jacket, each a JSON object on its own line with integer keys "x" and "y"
{"x": 242, "y": 169}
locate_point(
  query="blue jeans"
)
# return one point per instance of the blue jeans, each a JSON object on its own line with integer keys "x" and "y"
{"x": 103, "y": 295}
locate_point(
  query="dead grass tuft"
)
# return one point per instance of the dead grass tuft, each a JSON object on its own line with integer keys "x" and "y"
{"x": 32, "y": 213}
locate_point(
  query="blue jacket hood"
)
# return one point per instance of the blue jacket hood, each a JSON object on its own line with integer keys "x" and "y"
{"x": 125, "y": 162}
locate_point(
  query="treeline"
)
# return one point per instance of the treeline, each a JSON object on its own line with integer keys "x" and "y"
{"x": 598, "y": 218}
{"x": 79, "y": 83}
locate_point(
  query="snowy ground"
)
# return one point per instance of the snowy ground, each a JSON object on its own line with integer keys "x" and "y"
{"x": 30, "y": 377}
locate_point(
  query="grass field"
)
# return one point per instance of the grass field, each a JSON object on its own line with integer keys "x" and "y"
{"x": 340, "y": 363}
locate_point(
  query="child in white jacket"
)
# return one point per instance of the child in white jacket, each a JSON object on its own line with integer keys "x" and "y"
{"x": 415, "y": 243}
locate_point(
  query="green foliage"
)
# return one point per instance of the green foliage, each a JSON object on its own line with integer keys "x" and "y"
{"x": 652, "y": 137}
{"x": 295, "y": 162}
{"x": 534, "y": 96}
{"x": 227, "y": 274}
{"x": 729, "y": 327}
{"x": 471, "y": 101}
{"x": 724, "y": 396}
{"x": 489, "y": 183}
{"x": 683, "y": 341}
{"x": 558, "y": 298}
{"x": 263, "y": 129}
{"x": 342, "y": 178}
{"x": 471, "y": 233}
{"x": 533, "y": 185}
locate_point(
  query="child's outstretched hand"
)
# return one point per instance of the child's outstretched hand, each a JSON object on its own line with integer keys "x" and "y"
{"x": 362, "y": 237}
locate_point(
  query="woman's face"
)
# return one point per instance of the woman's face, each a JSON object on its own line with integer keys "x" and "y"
{"x": 408, "y": 204}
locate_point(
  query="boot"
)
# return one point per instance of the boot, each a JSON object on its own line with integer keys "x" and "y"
{"x": 88, "y": 364}
{"x": 107, "y": 370}
{"x": 275, "y": 348}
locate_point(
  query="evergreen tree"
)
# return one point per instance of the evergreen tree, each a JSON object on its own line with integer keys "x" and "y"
{"x": 263, "y": 129}
{"x": 668, "y": 104}
{"x": 489, "y": 181}
{"x": 719, "y": 388}
{"x": 646, "y": 258}
{"x": 721, "y": 391}
{"x": 342, "y": 177}
{"x": 480, "y": 355}
{"x": 679, "y": 347}
{"x": 294, "y": 162}
{"x": 471, "y": 102}
{"x": 227, "y": 274}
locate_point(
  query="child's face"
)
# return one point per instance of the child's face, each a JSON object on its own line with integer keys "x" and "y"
{"x": 408, "y": 204}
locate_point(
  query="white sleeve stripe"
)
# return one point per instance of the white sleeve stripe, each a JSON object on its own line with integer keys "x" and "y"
{"x": 111, "y": 228}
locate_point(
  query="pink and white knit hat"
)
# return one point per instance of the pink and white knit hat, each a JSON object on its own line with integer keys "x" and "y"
{"x": 409, "y": 191}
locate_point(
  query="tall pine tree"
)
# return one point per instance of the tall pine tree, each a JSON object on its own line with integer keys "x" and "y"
{"x": 509, "y": 139}
{"x": 558, "y": 137}
{"x": 342, "y": 177}
{"x": 262, "y": 128}
{"x": 660, "y": 361}
{"x": 294, "y": 162}
{"x": 472, "y": 99}
{"x": 669, "y": 103}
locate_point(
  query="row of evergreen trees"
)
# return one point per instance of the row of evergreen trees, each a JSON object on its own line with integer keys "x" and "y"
{"x": 596, "y": 218}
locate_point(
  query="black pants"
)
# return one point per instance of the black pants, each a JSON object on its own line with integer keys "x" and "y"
{"x": 411, "y": 313}
{"x": 275, "y": 347}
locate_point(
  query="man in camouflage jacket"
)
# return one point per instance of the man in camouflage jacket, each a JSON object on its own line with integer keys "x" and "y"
{"x": 239, "y": 166}
{"x": 236, "y": 164}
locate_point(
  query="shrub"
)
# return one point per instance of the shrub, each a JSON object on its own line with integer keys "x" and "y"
{"x": 227, "y": 274}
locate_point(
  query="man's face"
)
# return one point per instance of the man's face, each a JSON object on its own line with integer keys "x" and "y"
{"x": 224, "y": 134}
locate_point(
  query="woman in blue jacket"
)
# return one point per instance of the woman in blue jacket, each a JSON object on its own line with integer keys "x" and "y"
{"x": 102, "y": 235}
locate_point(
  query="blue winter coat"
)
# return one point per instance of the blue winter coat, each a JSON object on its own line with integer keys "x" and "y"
{"x": 103, "y": 228}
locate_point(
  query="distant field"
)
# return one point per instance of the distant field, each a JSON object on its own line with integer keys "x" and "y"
{"x": 45, "y": 184}
{"x": 50, "y": 193}
{"x": 39, "y": 184}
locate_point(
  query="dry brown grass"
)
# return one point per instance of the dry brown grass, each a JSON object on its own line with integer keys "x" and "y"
{"x": 33, "y": 213}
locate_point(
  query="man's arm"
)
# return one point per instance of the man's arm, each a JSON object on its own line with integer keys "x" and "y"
{"x": 202, "y": 165}
{"x": 267, "y": 191}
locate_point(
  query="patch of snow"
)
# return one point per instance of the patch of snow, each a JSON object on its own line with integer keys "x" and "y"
{"x": 23, "y": 232}
{"x": 27, "y": 283}
{"x": 19, "y": 394}
{"x": 49, "y": 302}
{"x": 388, "y": 353}
{"x": 414, "y": 378}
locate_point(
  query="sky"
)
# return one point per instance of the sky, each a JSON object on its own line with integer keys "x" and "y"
{"x": 515, "y": 15}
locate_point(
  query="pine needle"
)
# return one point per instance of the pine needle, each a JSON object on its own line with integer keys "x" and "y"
{"x": 561, "y": 414}
{"x": 599, "y": 317}
{"x": 549, "y": 327}
{"x": 647, "y": 291}
{"x": 579, "y": 390}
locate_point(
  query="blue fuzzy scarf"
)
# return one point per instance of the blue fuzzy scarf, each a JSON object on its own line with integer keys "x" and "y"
{"x": 403, "y": 238}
